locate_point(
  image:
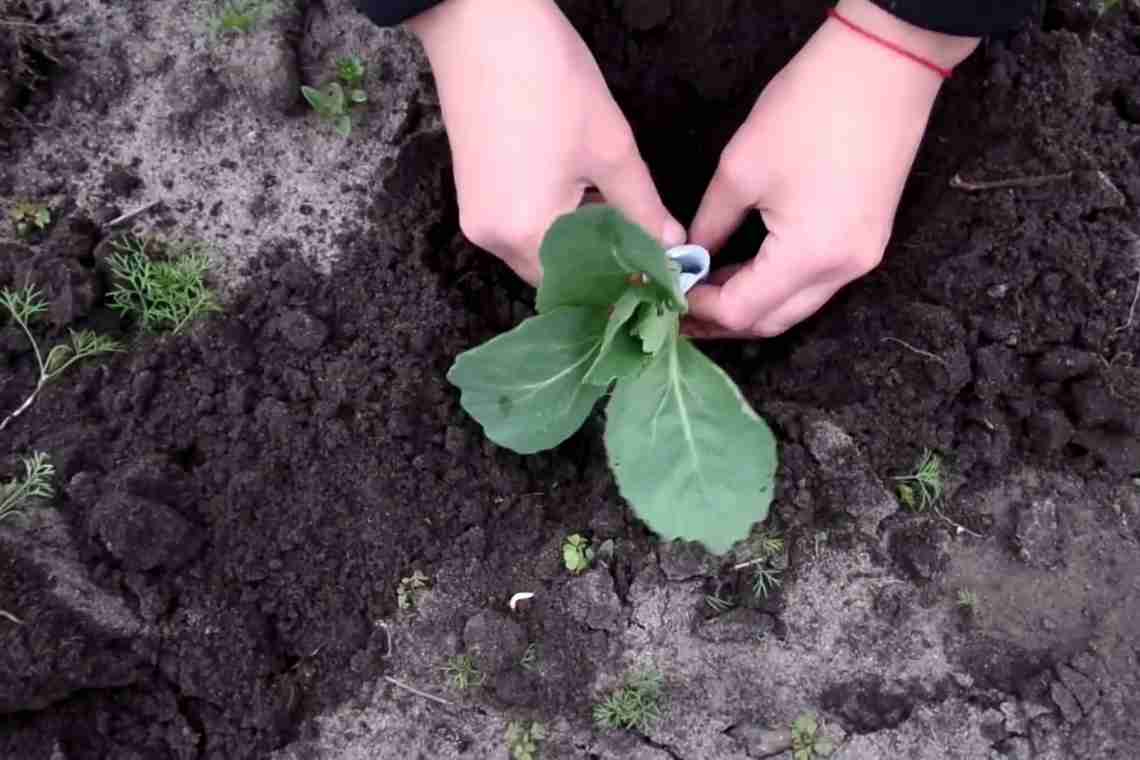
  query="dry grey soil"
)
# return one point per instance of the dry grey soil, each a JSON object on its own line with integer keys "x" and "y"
{"x": 217, "y": 575}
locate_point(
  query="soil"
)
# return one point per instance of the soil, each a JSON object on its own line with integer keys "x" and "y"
{"x": 237, "y": 505}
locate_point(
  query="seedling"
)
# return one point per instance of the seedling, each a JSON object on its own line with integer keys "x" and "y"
{"x": 523, "y": 738}
{"x": 240, "y": 16}
{"x": 967, "y": 600}
{"x": 16, "y": 496}
{"x": 922, "y": 489}
{"x": 407, "y": 589}
{"x": 633, "y": 707}
{"x": 807, "y": 741}
{"x": 161, "y": 295}
{"x": 463, "y": 672}
{"x": 718, "y": 604}
{"x": 687, "y": 451}
{"x": 28, "y": 218}
{"x": 577, "y": 554}
{"x": 335, "y": 100}
{"x": 24, "y": 306}
{"x": 530, "y": 658}
{"x": 765, "y": 579}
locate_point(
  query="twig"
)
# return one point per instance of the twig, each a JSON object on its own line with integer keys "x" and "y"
{"x": 9, "y": 616}
{"x": 1132, "y": 309}
{"x": 960, "y": 528}
{"x": 417, "y": 692}
{"x": 919, "y": 351}
{"x": 958, "y": 183}
{"x": 123, "y": 219}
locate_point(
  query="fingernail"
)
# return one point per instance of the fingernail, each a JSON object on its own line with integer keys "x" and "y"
{"x": 674, "y": 234}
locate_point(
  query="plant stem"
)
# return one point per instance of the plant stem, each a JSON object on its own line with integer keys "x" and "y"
{"x": 958, "y": 183}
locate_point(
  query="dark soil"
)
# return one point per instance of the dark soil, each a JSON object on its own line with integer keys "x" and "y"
{"x": 256, "y": 489}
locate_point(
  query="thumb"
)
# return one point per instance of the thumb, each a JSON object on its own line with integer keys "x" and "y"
{"x": 627, "y": 186}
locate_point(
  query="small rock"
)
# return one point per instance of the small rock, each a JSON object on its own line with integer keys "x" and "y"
{"x": 849, "y": 483}
{"x": 592, "y": 601}
{"x": 1065, "y": 700}
{"x": 761, "y": 741}
{"x": 1038, "y": 537}
{"x": 1065, "y": 363}
{"x": 302, "y": 330}
{"x": 143, "y": 534}
{"x": 494, "y": 640}
{"x": 1080, "y": 686}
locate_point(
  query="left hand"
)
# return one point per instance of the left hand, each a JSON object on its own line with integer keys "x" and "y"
{"x": 823, "y": 157}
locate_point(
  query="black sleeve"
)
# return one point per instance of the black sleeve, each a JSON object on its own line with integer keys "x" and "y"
{"x": 392, "y": 12}
{"x": 967, "y": 18}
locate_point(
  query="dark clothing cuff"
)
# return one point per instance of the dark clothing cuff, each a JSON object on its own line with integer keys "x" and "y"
{"x": 392, "y": 12}
{"x": 965, "y": 18}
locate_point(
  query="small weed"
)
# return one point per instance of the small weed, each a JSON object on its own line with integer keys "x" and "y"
{"x": 163, "y": 295}
{"x": 28, "y": 217}
{"x": 24, "y": 306}
{"x": 807, "y": 742}
{"x": 335, "y": 100}
{"x": 463, "y": 672}
{"x": 718, "y": 604}
{"x": 922, "y": 489}
{"x": 240, "y": 16}
{"x": 523, "y": 738}
{"x": 16, "y": 495}
{"x": 577, "y": 555}
{"x": 531, "y": 657}
{"x": 407, "y": 588}
{"x": 634, "y": 706}
{"x": 765, "y": 579}
{"x": 967, "y": 600}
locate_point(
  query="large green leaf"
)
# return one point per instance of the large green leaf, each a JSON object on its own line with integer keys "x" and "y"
{"x": 527, "y": 387}
{"x": 688, "y": 452}
{"x": 593, "y": 255}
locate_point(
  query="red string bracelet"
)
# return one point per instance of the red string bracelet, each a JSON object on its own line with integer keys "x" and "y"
{"x": 942, "y": 72}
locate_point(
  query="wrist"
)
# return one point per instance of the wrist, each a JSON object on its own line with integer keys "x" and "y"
{"x": 944, "y": 50}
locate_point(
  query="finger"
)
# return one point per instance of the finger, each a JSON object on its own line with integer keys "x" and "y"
{"x": 735, "y": 190}
{"x": 724, "y": 274}
{"x": 628, "y": 187}
{"x": 754, "y": 291}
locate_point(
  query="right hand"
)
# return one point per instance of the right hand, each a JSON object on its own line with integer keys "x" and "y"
{"x": 532, "y": 126}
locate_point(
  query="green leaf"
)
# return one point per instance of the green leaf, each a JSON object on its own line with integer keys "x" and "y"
{"x": 315, "y": 98}
{"x": 688, "y": 452}
{"x": 653, "y": 325}
{"x": 358, "y": 96}
{"x": 334, "y": 97}
{"x": 343, "y": 125}
{"x": 593, "y": 255}
{"x": 527, "y": 387}
{"x": 619, "y": 355}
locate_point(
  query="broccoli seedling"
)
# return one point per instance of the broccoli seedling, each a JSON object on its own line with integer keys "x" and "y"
{"x": 687, "y": 450}
{"x": 807, "y": 741}
{"x": 523, "y": 738}
{"x": 407, "y": 589}
{"x": 29, "y": 217}
{"x": 335, "y": 100}
{"x": 577, "y": 555}
{"x": 161, "y": 295}
{"x": 967, "y": 600}
{"x": 24, "y": 306}
{"x": 635, "y": 706}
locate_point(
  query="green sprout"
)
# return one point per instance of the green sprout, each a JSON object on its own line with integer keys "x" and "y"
{"x": 530, "y": 658}
{"x": 463, "y": 672}
{"x": 922, "y": 489}
{"x": 335, "y": 100}
{"x": 765, "y": 579}
{"x": 406, "y": 590}
{"x": 240, "y": 16}
{"x": 523, "y": 738}
{"x": 577, "y": 555}
{"x": 767, "y": 548}
{"x": 633, "y": 707}
{"x": 967, "y": 600}
{"x": 16, "y": 496}
{"x": 24, "y": 306}
{"x": 28, "y": 217}
{"x": 161, "y": 295}
{"x": 718, "y": 604}
{"x": 807, "y": 741}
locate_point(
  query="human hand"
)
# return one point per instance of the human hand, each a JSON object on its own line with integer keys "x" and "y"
{"x": 823, "y": 156}
{"x": 532, "y": 125}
